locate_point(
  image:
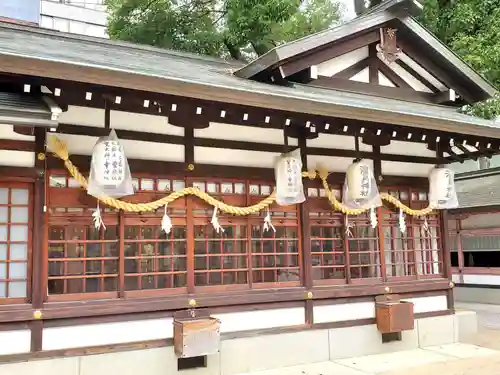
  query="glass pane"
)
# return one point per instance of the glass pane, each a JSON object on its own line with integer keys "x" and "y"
{"x": 3, "y": 251}
{"x": 4, "y": 196}
{"x": 227, "y": 188}
{"x": 254, "y": 190}
{"x": 178, "y": 185}
{"x": 239, "y": 188}
{"x": 3, "y": 233}
{"x": 147, "y": 184}
{"x": 57, "y": 181}
{"x": 135, "y": 184}
{"x": 2, "y": 290}
{"x": 19, "y": 233}
{"x": 3, "y": 270}
{"x": 18, "y": 251}
{"x": 4, "y": 214}
{"x": 19, "y": 214}
{"x": 199, "y": 185}
{"x": 265, "y": 190}
{"x": 212, "y": 188}
{"x": 17, "y": 289}
{"x": 73, "y": 183}
{"x": 163, "y": 185}
{"x": 18, "y": 270}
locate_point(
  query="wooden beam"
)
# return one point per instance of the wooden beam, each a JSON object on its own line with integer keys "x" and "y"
{"x": 408, "y": 94}
{"x": 391, "y": 75}
{"x": 434, "y": 69}
{"x": 443, "y": 97}
{"x": 39, "y": 266}
{"x": 17, "y": 145}
{"x": 230, "y": 144}
{"x": 353, "y": 69}
{"x": 329, "y": 52}
{"x": 373, "y": 68}
{"x": 218, "y": 171}
{"x": 416, "y": 75}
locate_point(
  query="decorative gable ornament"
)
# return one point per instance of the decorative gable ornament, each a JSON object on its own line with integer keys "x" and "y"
{"x": 109, "y": 169}
{"x": 387, "y": 49}
{"x": 288, "y": 174}
{"x": 360, "y": 188}
{"x": 442, "y": 192}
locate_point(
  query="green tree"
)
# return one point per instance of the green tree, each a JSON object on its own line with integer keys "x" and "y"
{"x": 471, "y": 28}
{"x": 236, "y": 28}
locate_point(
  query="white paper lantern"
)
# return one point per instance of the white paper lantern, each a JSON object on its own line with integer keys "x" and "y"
{"x": 288, "y": 174}
{"x": 359, "y": 181}
{"x": 442, "y": 193}
{"x": 109, "y": 165}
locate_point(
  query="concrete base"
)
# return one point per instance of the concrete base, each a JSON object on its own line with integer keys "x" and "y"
{"x": 477, "y": 295}
{"x": 260, "y": 353}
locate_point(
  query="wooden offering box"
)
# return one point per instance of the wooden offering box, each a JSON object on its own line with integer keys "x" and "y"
{"x": 394, "y": 315}
{"x": 196, "y": 334}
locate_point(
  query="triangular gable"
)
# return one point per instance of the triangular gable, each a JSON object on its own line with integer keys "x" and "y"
{"x": 345, "y": 58}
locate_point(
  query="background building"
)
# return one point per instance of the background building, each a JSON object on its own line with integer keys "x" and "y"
{"x": 87, "y": 17}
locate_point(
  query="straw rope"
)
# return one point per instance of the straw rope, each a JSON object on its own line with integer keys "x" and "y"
{"x": 59, "y": 149}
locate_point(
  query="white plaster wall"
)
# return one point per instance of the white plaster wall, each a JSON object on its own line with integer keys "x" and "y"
{"x": 248, "y": 320}
{"x": 396, "y": 168}
{"x": 210, "y": 155}
{"x": 363, "y": 76}
{"x": 407, "y": 148}
{"x": 17, "y": 158}
{"x": 342, "y": 142}
{"x": 106, "y": 333}
{"x": 420, "y": 70}
{"x": 14, "y": 342}
{"x": 333, "y": 66}
{"x": 365, "y": 310}
{"x": 119, "y": 120}
{"x": 414, "y": 83}
{"x": 218, "y": 130}
{"x": 384, "y": 81}
{"x": 7, "y": 132}
{"x": 83, "y": 145}
{"x": 481, "y": 279}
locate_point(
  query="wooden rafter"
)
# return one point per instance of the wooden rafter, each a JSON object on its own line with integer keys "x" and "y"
{"x": 328, "y": 53}
{"x": 416, "y": 75}
{"x": 391, "y": 75}
{"x": 354, "y": 69}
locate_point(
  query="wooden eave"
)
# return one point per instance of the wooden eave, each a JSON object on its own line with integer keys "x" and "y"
{"x": 427, "y": 50}
{"x": 23, "y": 109}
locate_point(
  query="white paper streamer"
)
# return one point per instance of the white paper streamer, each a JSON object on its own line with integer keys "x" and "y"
{"x": 267, "y": 222}
{"x": 425, "y": 226}
{"x": 402, "y": 222}
{"x": 215, "y": 222}
{"x": 166, "y": 222}
{"x": 373, "y": 217}
{"x": 97, "y": 219}
{"x": 348, "y": 226}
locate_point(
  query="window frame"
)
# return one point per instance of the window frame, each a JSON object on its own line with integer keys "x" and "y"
{"x": 10, "y": 185}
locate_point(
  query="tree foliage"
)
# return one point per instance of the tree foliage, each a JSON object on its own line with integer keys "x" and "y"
{"x": 471, "y": 28}
{"x": 219, "y": 27}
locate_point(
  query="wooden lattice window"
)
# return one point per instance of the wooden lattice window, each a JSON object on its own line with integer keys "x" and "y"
{"x": 15, "y": 242}
{"x": 81, "y": 258}
{"x": 362, "y": 245}
{"x": 275, "y": 255}
{"x": 154, "y": 259}
{"x": 416, "y": 252}
{"x": 327, "y": 246}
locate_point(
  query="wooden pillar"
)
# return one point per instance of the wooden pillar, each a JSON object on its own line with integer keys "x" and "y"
{"x": 305, "y": 236}
{"x": 39, "y": 240}
{"x": 189, "y": 162}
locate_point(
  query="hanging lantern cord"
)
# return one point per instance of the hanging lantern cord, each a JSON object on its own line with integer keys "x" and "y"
{"x": 356, "y": 148}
